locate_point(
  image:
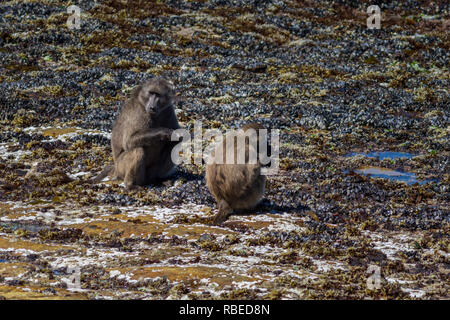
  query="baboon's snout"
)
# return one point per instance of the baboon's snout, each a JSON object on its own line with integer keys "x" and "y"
{"x": 152, "y": 103}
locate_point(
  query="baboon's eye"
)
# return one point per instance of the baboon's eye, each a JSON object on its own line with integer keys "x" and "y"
{"x": 154, "y": 93}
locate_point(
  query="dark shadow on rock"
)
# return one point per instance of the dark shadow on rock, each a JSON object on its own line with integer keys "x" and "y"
{"x": 177, "y": 175}
{"x": 187, "y": 176}
{"x": 266, "y": 206}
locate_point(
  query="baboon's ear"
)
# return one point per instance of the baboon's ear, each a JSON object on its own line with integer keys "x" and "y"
{"x": 135, "y": 92}
{"x": 171, "y": 86}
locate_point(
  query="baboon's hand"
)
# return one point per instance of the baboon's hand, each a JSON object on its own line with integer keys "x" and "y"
{"x": 148, "y": 138}
{"x": 166, "y": 134}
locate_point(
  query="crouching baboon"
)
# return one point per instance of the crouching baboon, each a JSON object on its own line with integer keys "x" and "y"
{"x": 239, "y": 185}
{"x": 141, "y": 135}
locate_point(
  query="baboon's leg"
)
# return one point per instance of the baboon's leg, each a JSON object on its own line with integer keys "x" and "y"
{"x": 165, "y": 165}
{"x": 131, "y": 167}
{"x": 224, "y": 212}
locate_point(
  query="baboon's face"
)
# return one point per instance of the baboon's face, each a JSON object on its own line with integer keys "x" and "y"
{"x": 156, "y": 95}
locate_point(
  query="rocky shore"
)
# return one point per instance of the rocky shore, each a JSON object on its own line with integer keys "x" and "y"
{"x": 364, "y": 171}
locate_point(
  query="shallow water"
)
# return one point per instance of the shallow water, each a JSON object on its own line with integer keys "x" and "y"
{"x": 383, "y": 155}
{"x": 25, "y": 226}
{"x": 379, "y": 172}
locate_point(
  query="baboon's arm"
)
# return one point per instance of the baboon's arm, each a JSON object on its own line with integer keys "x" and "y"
{"x": 148, "y": 138}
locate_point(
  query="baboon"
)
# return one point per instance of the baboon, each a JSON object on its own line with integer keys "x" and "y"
{"x": 141, "y": 135}
{"x": 235, "y": 186}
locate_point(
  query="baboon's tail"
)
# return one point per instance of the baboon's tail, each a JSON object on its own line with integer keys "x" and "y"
{"x": 106, "y": 172}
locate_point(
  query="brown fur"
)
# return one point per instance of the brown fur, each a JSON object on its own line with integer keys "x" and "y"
{"x": 235, "y": 186}
{"x": 141, "y": 136}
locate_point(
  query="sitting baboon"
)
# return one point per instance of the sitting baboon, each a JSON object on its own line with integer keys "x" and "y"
{"x": 141, "y": 136}
{"x": 236, "y": 186}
